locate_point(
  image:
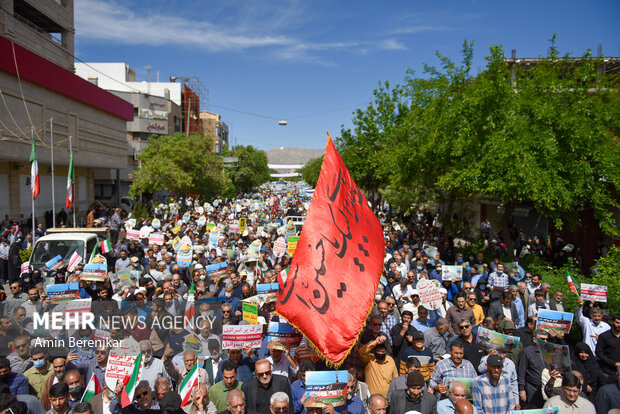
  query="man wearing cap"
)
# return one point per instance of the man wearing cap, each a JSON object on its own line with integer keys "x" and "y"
{"x": 415, "y": 398}
{"x": 456, "y": 392}
{"x": 400, "y": 382}
{"x": 509, "y": 370}
{"x": 492, "y": 392}
{"x": 416, "y": 348}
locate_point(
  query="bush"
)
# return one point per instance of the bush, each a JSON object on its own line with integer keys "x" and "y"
{"x": 606, "y": 273}
{"x": 25, "y": 254}
{"x": 139, "y": 211}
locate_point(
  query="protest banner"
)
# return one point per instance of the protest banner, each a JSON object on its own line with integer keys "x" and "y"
{"x": 284, "y": 334}
{"x": 549, "y": 320}
{"x": 133, "y": 235}
{"x": 467, "y": 382}
{"x": 453, "y": 273}
{"x": 239, "y": 336}
{"x": 243, "y": 224}
{"x": 327, "y": 386}
{"x": 250, "y": 312}
{"x": 130, "y": 223}
{"x": 193, "y": 343}
{"x": 144, "y": 232}
{"x": 554, "y": 356}
{"x": 124, "y": 279}
{"x": 94, "y": 271}
{"x": 431, "y": 251}
{"x": 55, "y": 263}
{"x": 156, "y": 223}
{"x": 267, "y": 287}
{"x": 71, "y": 307}
{"x": 233, "y": 227}
{"x": 279, "y": 247}
{"x": 184, "y": 255}
{"x": 121, "y": 362}
{"x": 210, "y": 226}
{"x": 24, "y": 268}
{"x": 430, "y": 297}
{"x": 489, "y": 339}
{"x": 292, "y": 244}
{"x": 186, "y": 217}
{"x": 176, "y": 229}
{"x": 216, "y": 271}
{"x": 156, "y": 238}
{"x": 62, "y": 291}
{"x": 100, "y": 335}
{"x": 548, "y": 410}
{"x": 594, "y": 293}
{"x": 202, "y": 220}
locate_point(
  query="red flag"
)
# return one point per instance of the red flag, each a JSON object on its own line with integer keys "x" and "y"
{"x": 334, "y": 273}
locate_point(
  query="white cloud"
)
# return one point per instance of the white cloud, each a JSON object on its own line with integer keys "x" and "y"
{"x": 391, "y": 44}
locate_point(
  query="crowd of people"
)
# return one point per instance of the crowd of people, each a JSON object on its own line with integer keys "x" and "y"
{"x": 408, "y": 358}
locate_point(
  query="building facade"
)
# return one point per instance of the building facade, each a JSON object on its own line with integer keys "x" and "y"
{"x": 213, "y": 126}
{"x": 42, "y": 97}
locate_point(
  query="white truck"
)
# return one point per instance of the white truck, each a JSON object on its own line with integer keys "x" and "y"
{"x": 63, "y": 242}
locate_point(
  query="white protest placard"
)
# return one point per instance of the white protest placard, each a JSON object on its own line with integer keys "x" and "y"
{"x": 593, "y": 293}
{"x": 71, "y": 307}
{"x": 121, "y": 362}
{"x": 145, "y": 231}
{"x": 279, "y": 247}
{"x": 453, "y": 273}
{"x": 133, "y": 235}
{"x": 156, "y": 238}
{"x": 239, "y": 336}
{"x": 430, "y": 297}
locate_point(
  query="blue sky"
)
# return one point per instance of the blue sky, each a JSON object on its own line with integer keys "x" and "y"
{"x": 313, "y": 62}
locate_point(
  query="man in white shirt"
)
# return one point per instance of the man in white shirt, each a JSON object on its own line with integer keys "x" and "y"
{"x": 591, "y": 327}
{"x": 281, "y": 361}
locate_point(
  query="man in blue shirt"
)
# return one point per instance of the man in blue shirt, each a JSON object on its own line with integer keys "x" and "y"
{"x": 298, "y": 388}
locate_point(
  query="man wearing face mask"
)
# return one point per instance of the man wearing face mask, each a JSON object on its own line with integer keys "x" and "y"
{"x": 75, "y": 382}
{"x": 498, "y": 281}
{"x": 40, "y": 371}
{"x": 379, "y": 368}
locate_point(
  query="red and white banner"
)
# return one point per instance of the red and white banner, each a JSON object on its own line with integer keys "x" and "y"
{"x": 156, "y": 238}
{"x": 593, "y": 293}
{"x": 239, "y": 336}
{"x": 74, "y": 260}
{"x": 133, "y": 235}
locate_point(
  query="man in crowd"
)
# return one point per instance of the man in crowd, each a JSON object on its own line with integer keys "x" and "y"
{"x": 259, "y": 390}
{"x": 456, "y": 392}
{"x": 458, "y": 312}
{"x": 530, "y": 372}
{"x": 591, "y": 327}
{"x": 453, "y": 367}
{"x": 219, "y": 391}
{"x": 380, "y": 369}
{"x": 491, "y": 391}
{"x": 570, "y": 401}
{"x": 415, "y": 398}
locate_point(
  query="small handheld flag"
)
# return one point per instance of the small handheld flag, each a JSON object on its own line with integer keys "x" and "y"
{"x": 571, "y": 284}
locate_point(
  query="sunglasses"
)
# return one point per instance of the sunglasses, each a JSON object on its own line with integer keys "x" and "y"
{"x": 263, "y": 374}
{"x": 280, "y": 410}
{"x": 464, "y": 326}
{"x": 144, "y": 394}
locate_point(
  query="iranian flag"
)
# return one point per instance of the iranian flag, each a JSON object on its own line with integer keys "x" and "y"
{"x": 94, "y": 253}
{"x": 282, "y": 276}
{"x": 93, "y": 388}
{"x": 34, "y": 170}
{"x": 189, "y": 383}
{"x": 571, "y": 284}
{"x": 131, "y": 382}
{"x": 70, "y": 185}
{"x": 74, "y": 260}
{"x": 190, "y": 310}
{"x": 106, "y": 246}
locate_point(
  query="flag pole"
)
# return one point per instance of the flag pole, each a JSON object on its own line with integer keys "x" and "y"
{"x": 53, "y": 186}
{"x": 34, "y": 233}
{"x": 73, "y": 174}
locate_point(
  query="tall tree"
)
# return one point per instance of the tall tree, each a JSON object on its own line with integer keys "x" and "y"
{"x": 252, "y": 169}
{"x": 544, "y": 135}
{"x": 181, "y": 165}
{"x": 311, "y": 170}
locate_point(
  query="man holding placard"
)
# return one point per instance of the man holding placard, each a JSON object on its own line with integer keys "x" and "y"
{"x": 591, "y": 327}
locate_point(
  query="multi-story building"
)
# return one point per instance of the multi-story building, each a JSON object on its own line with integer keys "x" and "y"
{"x": 40, "y": 93}
{"x": 213, "y": 126}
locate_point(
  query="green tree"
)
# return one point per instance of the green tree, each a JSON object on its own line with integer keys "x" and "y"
{"x": 181, "y": 165}
{"x": 606, "y": 273}
{"x": 252, "y": 169}
{"x": 361, "y": 148}
{"x": 544, "y": 135}
{"x": 311, "y": 170}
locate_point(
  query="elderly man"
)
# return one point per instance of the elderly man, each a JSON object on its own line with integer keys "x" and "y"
{"x": 75, "y": 382}
{"x": 377, "y": 404}
{"x": 491, "y": 391}
{"x": 142, "y": 399}
{"x": 153, "y": 368}
{"x": 415, "y": 398}
{"x": 91, "y": 366}
{"x": 178, "y": 372}
{"x": 456, "y": 392}
{"x": 20, "y": 359}
{"x": 162, "y": 386}
{"x": 434, "y": 339}
{"x": 235, "y": 403}
{"x": 504, "y": 307}
{"x": 458, "y": 312}
{"x": 200, "y": 402}
{"x": 259, "y": 389}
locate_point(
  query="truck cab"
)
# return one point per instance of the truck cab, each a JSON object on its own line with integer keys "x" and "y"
{"x": 64, "y": 242}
